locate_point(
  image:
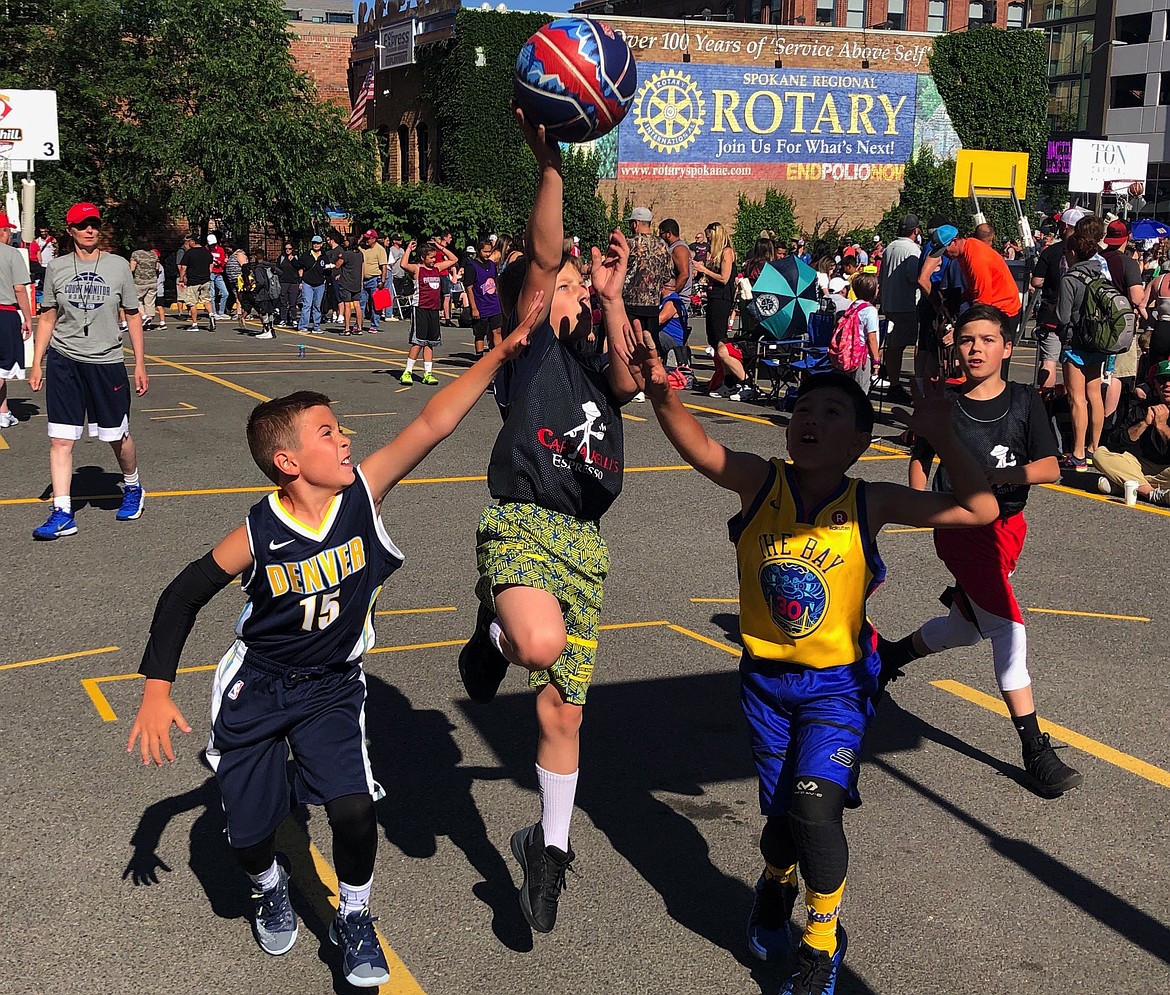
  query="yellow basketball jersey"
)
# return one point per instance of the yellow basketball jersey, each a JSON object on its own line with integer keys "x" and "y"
{"x": 805, "y": 574}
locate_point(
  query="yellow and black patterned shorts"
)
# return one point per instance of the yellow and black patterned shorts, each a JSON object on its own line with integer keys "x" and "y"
{"x": 529, "y": 545}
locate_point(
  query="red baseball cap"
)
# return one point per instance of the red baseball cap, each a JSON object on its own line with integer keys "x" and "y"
{"x": 4, "y": 222}
{"x": 82, "y": 212}
{"x": 370, "y": 234}
{"x": 1117, "y": 234}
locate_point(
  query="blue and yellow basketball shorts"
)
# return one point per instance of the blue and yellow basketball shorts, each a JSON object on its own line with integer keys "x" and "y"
{"x": 532, "y": 546}
{"x": 806, "y": 722}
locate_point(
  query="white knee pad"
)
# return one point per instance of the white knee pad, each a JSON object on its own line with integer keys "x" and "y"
{"x": 947, "y": 632}
{"x": 1009, "y": 648}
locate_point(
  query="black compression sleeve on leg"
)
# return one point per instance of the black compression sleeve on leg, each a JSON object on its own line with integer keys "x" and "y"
{"x": 777, "y": 844}
{"x": 258, "y": 857}
{"x": 815, "y": 818}
{"x": 200, "y": 581}
{"x": 355, "y": 837}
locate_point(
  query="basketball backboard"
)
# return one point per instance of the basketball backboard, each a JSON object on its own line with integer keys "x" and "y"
{"x": 991, "y": 174}
{"x": 28, "y": 126}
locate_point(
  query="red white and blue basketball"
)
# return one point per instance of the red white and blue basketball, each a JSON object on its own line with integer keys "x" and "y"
{"x": 577, "y": 78}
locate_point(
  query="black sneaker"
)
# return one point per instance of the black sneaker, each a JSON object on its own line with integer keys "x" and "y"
{"x": 1047, "y": 769}
{"x": 894, "y": 656}
{"x": 544, "y": 870}
{"x": 482, "y": 667}
{"x": 769, "y": 928}
{"x": 814, "y": 972}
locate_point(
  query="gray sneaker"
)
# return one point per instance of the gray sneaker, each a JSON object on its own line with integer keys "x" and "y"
{"x": 275, "y": 923}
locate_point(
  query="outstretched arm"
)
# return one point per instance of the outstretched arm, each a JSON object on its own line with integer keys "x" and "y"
{"x": 174, "y": 616}
{"x": 409, "y": 268}
{"x": 741, "y": 472}
{"x": 544, "y": 240}
{"x": 970, "y": 503}
{"x": 443, "y": 412}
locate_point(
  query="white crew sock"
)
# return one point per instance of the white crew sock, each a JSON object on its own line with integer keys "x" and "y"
{"x": 409, "y": 365}
{"x": 130, "y": 479}
{"x": 64, "y": 503}
{"x": 495, "y": 630}
{"x": 354, "y": 897}
{"x": 557, "y": 792}
{"x": 267, "y": 880}
{"x": 426, "y": 366}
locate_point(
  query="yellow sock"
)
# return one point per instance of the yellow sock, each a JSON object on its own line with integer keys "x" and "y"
{"x": 784, "y": 876}
{"x": 821, "y": 931}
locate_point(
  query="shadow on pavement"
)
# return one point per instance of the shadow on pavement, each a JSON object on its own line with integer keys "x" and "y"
{"x": 92, "y": 486}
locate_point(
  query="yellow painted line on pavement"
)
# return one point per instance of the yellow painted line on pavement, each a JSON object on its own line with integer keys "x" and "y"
{"x": 730, "y": 414}
{"x": 1092, "y": 746}
{"x": 1065, "y": 611}
{"x": 276, "y": 373}
{"x": 632, "y": 417}
{"x": 634, "y": 625}
{"x": 416, "y": 611}
{"x": 714, "y": 601}
{"x": 183, "y": 406}
{"x": 197, "y": 414}
{"x": 3, "y": 444}
{"x": 208, "y": 376}
{"x": 55, "y": 659}
{"x": 888, "y": 449}
{"x": 878, "y": 459}
{"x": 1116, "y": 502}
{"x": 733, "y": 650}
{"x": 371, "y": 414}
{"x": 92, "y": 687}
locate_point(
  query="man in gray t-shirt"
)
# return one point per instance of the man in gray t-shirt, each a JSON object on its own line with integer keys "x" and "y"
{"x": 15, "y": 316}
{"x": 87, "y": 383}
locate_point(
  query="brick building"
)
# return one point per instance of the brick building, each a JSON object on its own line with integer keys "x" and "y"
{"x": 322, "y": 50}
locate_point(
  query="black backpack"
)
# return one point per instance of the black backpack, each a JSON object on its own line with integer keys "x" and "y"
{"x": 266, "y": 278}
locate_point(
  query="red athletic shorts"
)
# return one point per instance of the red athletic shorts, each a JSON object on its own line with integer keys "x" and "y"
{"x": 982, "y": 561}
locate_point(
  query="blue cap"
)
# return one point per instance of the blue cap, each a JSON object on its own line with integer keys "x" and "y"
{"x": 942, "y": 237}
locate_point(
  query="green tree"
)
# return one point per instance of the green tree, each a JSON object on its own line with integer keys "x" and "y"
{"x": 172, "y": 108}
{"x": 927, "y": 191}
{"x": 775, "y": 212}
{"x": 421, "y": 210}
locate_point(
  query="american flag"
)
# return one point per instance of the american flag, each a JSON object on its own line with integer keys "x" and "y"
{"x": 357, "y": 117}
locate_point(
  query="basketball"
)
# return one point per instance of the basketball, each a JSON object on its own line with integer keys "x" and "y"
{"x": 577, "y": 78}
{"x": 1136, "y": 189}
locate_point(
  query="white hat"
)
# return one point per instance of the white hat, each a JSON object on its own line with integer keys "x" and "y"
{"x": 493, "y": 238}
{"x": 837, "y": 284}
{"x": 1072, "y": 216}
{"x": 576, "y": 239}
{"x": 877, "y": 240}
{"x": 212, "y": 240}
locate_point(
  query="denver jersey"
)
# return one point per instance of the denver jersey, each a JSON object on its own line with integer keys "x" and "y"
{"x": 804, "y": 576}
{"x": 311, "y": 592}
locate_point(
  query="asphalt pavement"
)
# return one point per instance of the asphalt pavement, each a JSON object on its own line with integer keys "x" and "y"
{"x": 962, "y": 880}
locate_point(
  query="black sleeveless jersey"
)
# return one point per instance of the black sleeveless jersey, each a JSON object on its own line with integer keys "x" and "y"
{"x": 1006, "y": 431}
{"x": 311, "y": 592}
{"x": 561, "y": 446}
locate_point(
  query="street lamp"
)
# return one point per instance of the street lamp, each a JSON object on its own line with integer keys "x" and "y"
{"x": 1082, "y": 101}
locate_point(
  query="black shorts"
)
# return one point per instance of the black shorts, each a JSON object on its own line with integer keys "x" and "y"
{"x": 424, "y": 327}
{"x": 80, "y": 394}
{"x": 11, "y": 346}
{"x": 346, "y": 296}
{"x": 483, "y": 327}
{"x": 256, "y": 716}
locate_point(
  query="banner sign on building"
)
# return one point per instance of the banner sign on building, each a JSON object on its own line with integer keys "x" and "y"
{"x": 702, "y": 121}
{"x": 396, "y": 45}
{"x": 1097, "y": 164}
{"x": 1057, "y": 161}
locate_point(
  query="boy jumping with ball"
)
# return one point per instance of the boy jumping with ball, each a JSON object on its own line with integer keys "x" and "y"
{"x": 1005, "y": 428}
{"x": 555, "y": 469}
{"x": 805, "y": 540}
{"x": 314, "y": 556}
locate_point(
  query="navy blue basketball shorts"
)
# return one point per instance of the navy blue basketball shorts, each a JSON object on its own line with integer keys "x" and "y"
{"x": 80, "y": 394}
{"x": 259, "y": 712}
{"x": 806, "y": 722}
{"x": 11, "y": 346}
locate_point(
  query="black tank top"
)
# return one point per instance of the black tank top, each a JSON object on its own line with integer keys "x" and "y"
{"x": 311, "y": 593}
{"x": 561, "y": 446}
{"x": 721, "y": 291}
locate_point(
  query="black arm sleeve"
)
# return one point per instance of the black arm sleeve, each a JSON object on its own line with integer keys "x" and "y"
{"x": 200, "y": 581}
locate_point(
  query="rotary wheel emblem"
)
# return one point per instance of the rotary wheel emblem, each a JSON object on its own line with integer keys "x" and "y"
{"x": 669, "y": 111}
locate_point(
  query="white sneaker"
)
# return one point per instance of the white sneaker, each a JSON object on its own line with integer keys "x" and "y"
{"x": 1105, "y": 486}
{"x": 8, "y": 419}
{"x": 264, "y": 335}
{"x": 640, "y": 397}
{"x": 745, "y": 393}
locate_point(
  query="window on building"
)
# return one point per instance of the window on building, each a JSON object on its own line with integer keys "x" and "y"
{"x": 403, "y": 154}
{"x": 339, "y": 18}
{"x": 936, "y": 16}
{"x": 1133, "y": 29}
{"x": 1128, "y": 91}
{"x": 1164, "y": 90}
{"x": 827, "y": 13}
{"x": 422, "y": 139}
{"x": 975, "y": 14}
{"x": 896, "y": 15}
{"x": 855, "y": 13}
{"x": 293, "y": 15}
{"x": 1068, "y": 46}
{"x": 1015, "y": 15}
{"x": 1064, "y": 106}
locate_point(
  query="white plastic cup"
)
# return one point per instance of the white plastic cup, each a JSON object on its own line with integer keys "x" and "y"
{"x": 1131, "y": 487}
